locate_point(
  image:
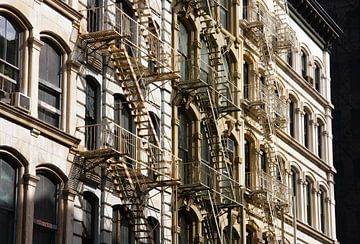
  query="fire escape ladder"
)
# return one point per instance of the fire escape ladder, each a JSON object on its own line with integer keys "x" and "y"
{"x": 131, "y": 190}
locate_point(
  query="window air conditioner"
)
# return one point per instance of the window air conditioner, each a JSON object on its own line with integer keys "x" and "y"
{"x": 20, "y": 101}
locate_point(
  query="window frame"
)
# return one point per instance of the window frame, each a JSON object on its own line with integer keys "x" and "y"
{"x": 304, "y": 59}
{"x": 309, "y": 186}
{"x": 317, "y": 77}
{"x": 225, "y": 12}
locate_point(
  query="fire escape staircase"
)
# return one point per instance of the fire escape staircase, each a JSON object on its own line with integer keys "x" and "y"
{"x": 129, "y": 61}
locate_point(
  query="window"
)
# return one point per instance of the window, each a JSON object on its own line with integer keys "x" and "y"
{"x": 245, "y": 4}
{"x": 304, "y": 61}
{"x": 50, "y": 75}
{"x": 155, "y": 229}
{"x": 289, "y": 57}
{"x": 186, "y": 223}
{"x": 246, "y": 80}
{"x": 91, "y": 113}
{"x": 206, "y": 172}
{"x": 8, "y": 181}
{"x": 250, "y": 235}
{"x": 306, "y": 129}
{"x": 317, "y": 77}
{"x": 93, "y": 15}
{"x": 90, "y": 219}
{"x": 323, "y": 210}
{"x": 225, "y": 86}
{"x": 234, "y": 239}
{"x": 122, "y": 226}
{"x": 184, "y": 145}
{"x": 9, "y": 55}
{"x": 225, "y": 13}
{"x": 247, "y": 163}
{"x": 45, "y": 211}
{"x": 308, "y": 203}
{"x": 204, "y": 67}
{"x": 263, "y": 161}
{"x": 183, "y": 48}
{"x": 292, "y": 117}
{"x": 320, "y": 131}
{"x": 294, "y": 190}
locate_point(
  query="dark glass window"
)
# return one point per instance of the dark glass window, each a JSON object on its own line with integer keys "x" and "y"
{"x": 304, "y": 61}
{"x": 184, "y": 143}
{"x": 225, "y": 14}
{"x": 246, "y": 81}
{"x": 322, "y": 211}
{"x": 320, "y": 139}
{"x": 155, "y": 229}
{"x": 235, "y": 238}
{"x": 186, "y": 229}
{"x": 9, "y": 50}
{"x": 91, "y": 113}
{"x": 249, "y": 236}
{"x": 183, "y": 42}
{"x": 317, "y": 77}
{"x": 205, "y": 74}
{"x": 206, "y": 173}
{"x": 49, "y": 109}
{"x": 247, "y": 163}
{"x": 308, "y": 189}
{"x": 122, "y": 226}
{"x": 90, "y": 205}
{"x": 122, "y": 113}
{"x": 306, "y": 130}
{"x": 45, "y": 211}
{"x": 292, "y": 118}
{"x": 8, "y": 182}
{"x": 245, "y": 4}
{"x": 293, "y": 182}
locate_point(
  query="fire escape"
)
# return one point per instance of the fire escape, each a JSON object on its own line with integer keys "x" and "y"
{"x": 208, "y": 83}
{"x": 135, "y": 162}
{"x": 272, "y": 35}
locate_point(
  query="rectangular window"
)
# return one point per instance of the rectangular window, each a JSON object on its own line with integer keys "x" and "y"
{"x": 225, "y": 13}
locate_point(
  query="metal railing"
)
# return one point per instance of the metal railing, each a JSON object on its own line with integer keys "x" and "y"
{"x": 139, "y": 153}
{"x": 147, "y": 45}
{"x": 257, "y": 17}
{"x": 202, "y": 176}
{"x": 267, "y": 100}
{"x": 285, "y": 37}
{"x": 221, "y": 83}
{"x": 262, "y": 182}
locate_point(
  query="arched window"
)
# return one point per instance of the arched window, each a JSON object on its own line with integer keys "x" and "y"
{"x": 46, "y": 210}
{"x": 122, "y": 114}
{"x": 247, "y": 158}
{"x": 50, "y": 85}
{"x": 8, "y": 183}
{"x": 91, "y": 113}
{"x": 183, "y": 48}
{"x": 317, "y": 77}
{"x": 9, "y": 55}
{"x": 90, "y": 218}
{"x": 122, "y": 226}
{"x": 322, "y": 210}
{"x": 246, "y": 80}
{"x": 245, "y": 4}
{"x": 306, "y": 129}
{"x": 308, "y": 201}
{"x": 184, "y": 145}
{"x": 304, "y": 62}
{"x": 292, "y": 117}
{"x": 155, "y": 229}
{"x": 320, "y": 131}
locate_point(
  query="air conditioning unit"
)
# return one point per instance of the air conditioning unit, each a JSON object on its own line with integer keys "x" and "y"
{"x": 20, "y": 101}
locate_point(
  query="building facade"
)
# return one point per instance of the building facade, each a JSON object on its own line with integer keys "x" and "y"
{"x": 166, "y": 122}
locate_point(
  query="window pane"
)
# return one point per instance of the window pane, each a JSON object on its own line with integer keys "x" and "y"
{"x": 2, "y": 37}
{"x": 49, "y": 96}
{"x": 43, "y": 235}
{"x": 7, "y": 183}
{"x": 12, "y": 44}
{"x": 46, "y": 200}
{"x": 49, "y": 117}
{"x": 7, "y": 226}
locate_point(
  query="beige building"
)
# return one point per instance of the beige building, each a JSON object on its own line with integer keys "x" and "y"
{"x": 165, "y": 121}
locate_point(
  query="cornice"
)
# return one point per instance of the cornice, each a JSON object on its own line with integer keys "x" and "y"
{"x": 64, "y": 9}
{"x": 25, "y": 120}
